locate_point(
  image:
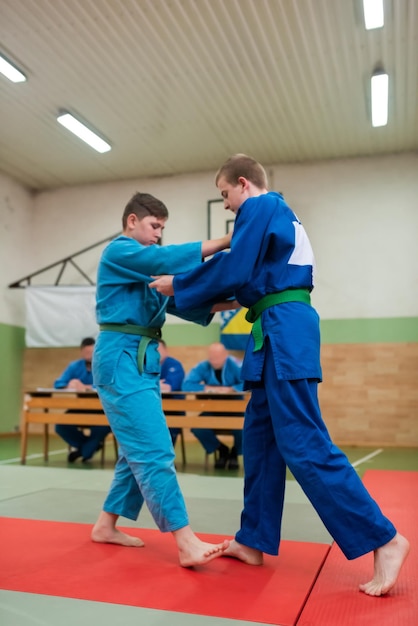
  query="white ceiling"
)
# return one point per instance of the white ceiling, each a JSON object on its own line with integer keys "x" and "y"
{"x": 177, "y": 86}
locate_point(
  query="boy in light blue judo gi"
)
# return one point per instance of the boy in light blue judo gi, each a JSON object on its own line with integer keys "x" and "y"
{"x": 269, "y": 270}
{"x": 126, "y": 371}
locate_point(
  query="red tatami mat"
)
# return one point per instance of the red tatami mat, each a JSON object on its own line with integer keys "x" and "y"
{"x": 335, "y": 599}
{"x": 58, "y": 559}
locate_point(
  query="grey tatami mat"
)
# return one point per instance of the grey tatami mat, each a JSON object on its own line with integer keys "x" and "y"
{"x": 214, "y": 503}
{"x": 208, "y": 515}
{"x": 26, "y": 609}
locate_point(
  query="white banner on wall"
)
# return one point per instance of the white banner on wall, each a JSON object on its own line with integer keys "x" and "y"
{"x": 60, "y": 316}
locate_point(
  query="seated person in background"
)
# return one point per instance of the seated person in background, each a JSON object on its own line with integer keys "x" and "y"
{"x": 219, "y": 374}
{"x": 78, "y": 377}
{"x": 171, "y": 379}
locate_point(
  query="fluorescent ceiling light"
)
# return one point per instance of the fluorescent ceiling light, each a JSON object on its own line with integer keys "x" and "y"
{"x": 373, "y": 14}
{"x": 380, "y": 93}
{"x": 78, "y": 128}
{"x": 10, "y": 71}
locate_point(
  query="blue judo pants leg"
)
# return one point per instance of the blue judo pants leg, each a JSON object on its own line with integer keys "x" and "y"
{"x": 145, "y": 467}
{"x": 283, "y": 426}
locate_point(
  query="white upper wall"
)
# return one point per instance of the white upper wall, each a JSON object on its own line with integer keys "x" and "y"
{"x": 16, "y": 217}
{"x": 360, "y": 214}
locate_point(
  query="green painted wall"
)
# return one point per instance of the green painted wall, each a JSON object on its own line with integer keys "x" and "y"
{"x": 190, "y": 334}
{"x": 378, "y": 330}
{"x": 12, "y": 345}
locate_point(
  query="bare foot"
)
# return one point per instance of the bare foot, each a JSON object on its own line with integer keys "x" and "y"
{"x": 199, "y": 552}
{"x": 193, "y": 551}
{"x": 388, "y": 560}
{"x": 248, "y": 555}
{"x": 102, "y": 534}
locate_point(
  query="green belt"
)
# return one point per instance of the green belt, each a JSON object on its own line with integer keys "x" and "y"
{"x": 147, "y": 334}
{"x": 254, "y": 313}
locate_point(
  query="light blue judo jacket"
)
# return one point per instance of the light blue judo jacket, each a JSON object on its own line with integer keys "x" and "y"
{"x": 123, "y": 297}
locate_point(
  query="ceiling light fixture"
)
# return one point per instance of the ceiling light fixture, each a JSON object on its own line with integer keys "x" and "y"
{"x": 77, "y": 127}
{"x": 11, "y": 71}
{"x": 373, "y": 14}
{"x": 380, "y": 95}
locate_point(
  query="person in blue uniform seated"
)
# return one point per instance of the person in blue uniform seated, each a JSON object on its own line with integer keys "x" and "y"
{"x": 270, "y": 271}
{"x": 171, "y": 379}
{"x": 220, "y": 373}
{"x": 126, "y": 372}
{"x": 78, "y": 377}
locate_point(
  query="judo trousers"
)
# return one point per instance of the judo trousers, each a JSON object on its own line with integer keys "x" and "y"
{"x": 283, "y": 426}
{"x": 145, "y": 467}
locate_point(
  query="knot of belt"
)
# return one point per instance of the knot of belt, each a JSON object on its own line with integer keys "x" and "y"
{"x": 253, "y": 314}
{"x": 147, "y": 334}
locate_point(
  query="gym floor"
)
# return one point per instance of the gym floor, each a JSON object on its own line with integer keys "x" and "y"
{"x": 58, "y": 491}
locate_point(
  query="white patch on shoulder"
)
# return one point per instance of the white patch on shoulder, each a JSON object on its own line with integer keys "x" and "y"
{"x": 303, "y": 253}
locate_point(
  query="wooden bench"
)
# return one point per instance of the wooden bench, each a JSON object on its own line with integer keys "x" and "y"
{"x": 50, "y": 407}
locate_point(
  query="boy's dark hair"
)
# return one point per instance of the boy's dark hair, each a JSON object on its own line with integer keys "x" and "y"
{"x": 242, "y": 165}
{"x": 87, "y": 341}
{"x": 143, "y": 204}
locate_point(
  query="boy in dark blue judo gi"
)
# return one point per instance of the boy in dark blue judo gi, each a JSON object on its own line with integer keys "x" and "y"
{"x": 269, "y": 270}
